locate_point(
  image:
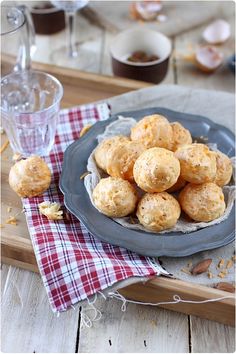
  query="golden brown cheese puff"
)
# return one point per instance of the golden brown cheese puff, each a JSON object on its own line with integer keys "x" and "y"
{"x": 156, "y": 170}
{"x": 153, "y": 131}
{"x": 181, "y": 135}
{"x": 115, "y": 197}
{"x": 158, "y": 211}
{"x": 224, "y": 169}
{"x": 197, "y": 162}
{"x": 177, "y": 186}
{"x": 30, "y": 177}
{"x": 101, "y": 151}
{"x": 121, "y": 159}
{"x": 202, "y": 202}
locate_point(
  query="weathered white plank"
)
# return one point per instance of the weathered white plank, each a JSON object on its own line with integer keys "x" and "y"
{"x": 28, "y": 324}
{"x": 211, "y": 337}
{"x": 188, "y": 74}
{"x": 141, "y": 329}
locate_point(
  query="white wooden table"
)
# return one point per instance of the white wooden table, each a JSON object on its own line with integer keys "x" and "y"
{"x": 28, "y": 325}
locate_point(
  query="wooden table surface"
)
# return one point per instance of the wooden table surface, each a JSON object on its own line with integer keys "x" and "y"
{"x": 28, "y": 325}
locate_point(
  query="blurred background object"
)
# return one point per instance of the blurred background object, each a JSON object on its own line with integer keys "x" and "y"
{"x": 217, "y": 32}
{"x": 17, "y": 38}
{"x": 141, "y": 54}
{"x": 145, "y": 10}
{"x": 47, "y": 18}
{"x": 70, "y": 53}
{"x": 186, "y": 23}
{"x": 231, "y": 63}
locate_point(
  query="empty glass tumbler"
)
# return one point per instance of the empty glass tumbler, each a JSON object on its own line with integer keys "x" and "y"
{"x": 30, "y": 103}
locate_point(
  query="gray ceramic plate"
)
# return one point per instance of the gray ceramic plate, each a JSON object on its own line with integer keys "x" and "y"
{"x": 148, "y": 244}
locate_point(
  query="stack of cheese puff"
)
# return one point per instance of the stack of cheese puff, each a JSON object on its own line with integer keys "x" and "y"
{"x": 160, "y": 158}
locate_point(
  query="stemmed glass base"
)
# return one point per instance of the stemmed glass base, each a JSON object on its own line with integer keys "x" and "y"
{"x": 72, "y": 54}
{"x": 82, "y": 59}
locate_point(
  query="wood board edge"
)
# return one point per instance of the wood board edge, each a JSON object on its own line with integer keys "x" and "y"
{"x": 18, "y": 251}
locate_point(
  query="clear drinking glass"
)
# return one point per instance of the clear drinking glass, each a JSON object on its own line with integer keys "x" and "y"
{"x": 30, "y": 103}
{"x": 17, "y": 38}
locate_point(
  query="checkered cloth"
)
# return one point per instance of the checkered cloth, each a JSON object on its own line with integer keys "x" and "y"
{"x": 73, "y": 263}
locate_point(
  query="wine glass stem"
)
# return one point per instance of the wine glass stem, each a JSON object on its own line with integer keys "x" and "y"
{"x": 71, "y": 17}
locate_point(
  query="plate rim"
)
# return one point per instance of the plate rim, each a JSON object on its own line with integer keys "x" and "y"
{"x": 68, "y": 196}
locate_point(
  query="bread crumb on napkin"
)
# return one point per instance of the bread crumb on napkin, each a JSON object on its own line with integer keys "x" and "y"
{"x": 51, "y": 210}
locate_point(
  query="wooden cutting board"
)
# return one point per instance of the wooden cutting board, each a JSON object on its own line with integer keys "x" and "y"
{"x": 16, "y": 245}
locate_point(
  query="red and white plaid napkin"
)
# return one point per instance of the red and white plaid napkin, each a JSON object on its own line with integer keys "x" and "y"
{"x": 73, "y": 263}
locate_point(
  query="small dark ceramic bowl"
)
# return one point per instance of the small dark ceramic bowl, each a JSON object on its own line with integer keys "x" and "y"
{"x": 141, "y": 39}
{"x": 47, "y": 18}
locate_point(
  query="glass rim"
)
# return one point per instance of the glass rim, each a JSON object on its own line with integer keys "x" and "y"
{"x": 53, "y": 78}
{"x": 21, "y": 25}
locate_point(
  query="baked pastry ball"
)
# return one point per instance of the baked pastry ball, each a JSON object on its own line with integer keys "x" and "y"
{"x": 102, "y": 149}
{"x": 156, "y": 170}
{"x": 181, "y": 135}
{"x": 121, "y": 159}
{"x": 158, "y": 211}
{"x": 153, "y": 131}
{"x": 115, "y": 197}
{"x": 30, "y": 177}
{"x": 224, "y": 169}
{"x": 197, "y": 162}
{"x": 177, "y": 186}
{"x": 202, "y": 202}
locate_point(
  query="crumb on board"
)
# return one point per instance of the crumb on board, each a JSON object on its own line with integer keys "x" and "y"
{"x": 9, "y": 209}
{"x": 2, "y": 131}
{"x": 221, "y": 263}
{"x": 51, "y": 210}
{"x": 189, "y": 265}
{"x": 4, "y": 146}
{"x": 84, "y": 174}
{"x": 85, "y": 129}
{"x": 11, "y": 220}
{"x": 229, "y": 264}
{"x": 223, "y": 273}
{"x": 210, "y": 275}
{"x": 184, "y": 270}
{"x": 153, "y": 323}
{"x": 1, "y": 226}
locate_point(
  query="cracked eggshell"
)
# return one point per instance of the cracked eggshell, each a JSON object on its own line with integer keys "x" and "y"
{"x": 217, "y": 32}
{"x": 208, "y": 58}
{"x": 148, "y": 10}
